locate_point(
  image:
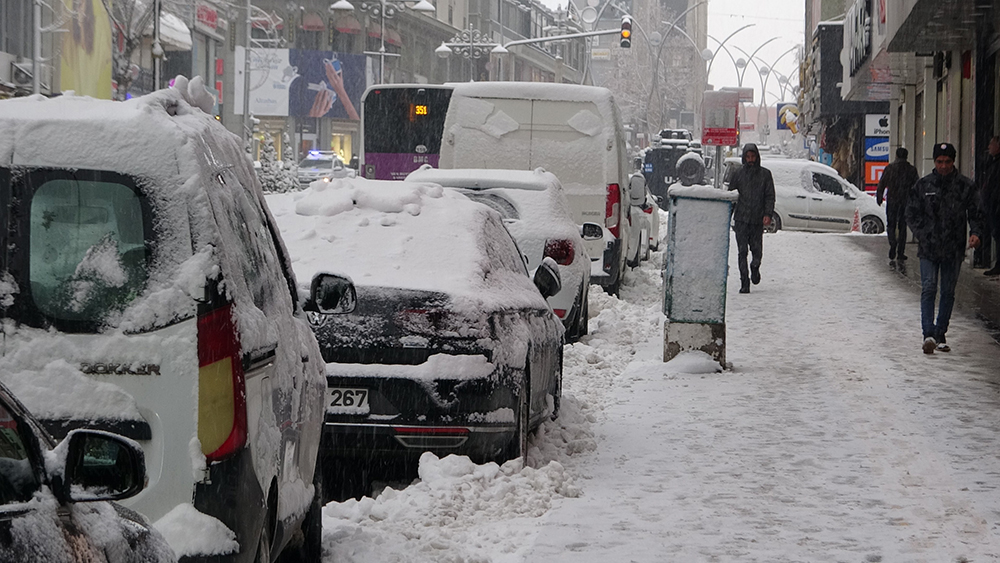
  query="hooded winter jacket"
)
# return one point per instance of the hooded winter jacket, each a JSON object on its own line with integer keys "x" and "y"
{"x": 938, "y": 210}
{"x": 756, "y": 188}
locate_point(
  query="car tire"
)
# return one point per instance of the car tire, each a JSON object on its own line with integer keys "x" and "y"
{"x": 775, "y": 225}
{"x": 557, "y": 388}
{"x": 872, "y": 225}
{"x": 264, "y": 542}
{"x": 307, "y": 547}
{"x": 644, "y": 244}
{"x": 615, "y": 287}
{"x": 517, "y": 447}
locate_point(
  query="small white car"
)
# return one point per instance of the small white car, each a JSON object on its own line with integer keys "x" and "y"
{"x": 809, "y": 196}
{"x": 537, "y": 214}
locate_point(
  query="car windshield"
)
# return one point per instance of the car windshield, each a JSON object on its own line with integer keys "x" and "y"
{"x": 82, "y": 249}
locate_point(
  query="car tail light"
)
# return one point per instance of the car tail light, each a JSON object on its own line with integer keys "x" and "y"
{"x": 560, "y": 250}
{"x": 424, "y": 437}
{"x": 222, "y": 412}
{"x": 612, "y": 209}
{"x": 648, "y": 209}
{"x": 561, "y": 313}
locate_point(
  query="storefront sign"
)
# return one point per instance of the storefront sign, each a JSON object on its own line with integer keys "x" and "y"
{"x": 877, "y": 125}
{"x": 206, "y": 17}
{"x": 877, "y": 149}
{"x": 600, "y": 54}
{"x": 858, "y": 34}
{"x": 873, "y": 171}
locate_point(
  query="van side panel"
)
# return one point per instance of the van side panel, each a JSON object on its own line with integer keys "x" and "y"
{"x": 487, "y": 133}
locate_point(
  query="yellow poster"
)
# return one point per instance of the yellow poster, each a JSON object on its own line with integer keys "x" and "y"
{"x": 85, "y": 58}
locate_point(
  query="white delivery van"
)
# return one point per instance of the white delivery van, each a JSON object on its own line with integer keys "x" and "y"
{"x": 575, "y": 132}
{"x": 145, "y": 290}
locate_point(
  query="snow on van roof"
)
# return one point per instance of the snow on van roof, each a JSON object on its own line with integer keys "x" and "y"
{"x": 534, "y": 90}
{"x": 481, "y": 178}
{"x": 408, "y": 235}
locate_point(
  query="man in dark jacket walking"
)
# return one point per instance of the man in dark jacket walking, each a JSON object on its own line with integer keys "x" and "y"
{"x": 894, "y": 189}
{"x": 753, "y": 210}
{"x": 989, "y": 193}
{"x": 940, "y": 206}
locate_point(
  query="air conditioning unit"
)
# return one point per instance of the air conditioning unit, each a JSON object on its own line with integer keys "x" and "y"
{"x": 20, "y": 73}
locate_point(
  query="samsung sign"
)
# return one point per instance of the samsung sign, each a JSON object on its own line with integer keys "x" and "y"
{"x": 858, "y": 34}
{"x": 876, "y": 148}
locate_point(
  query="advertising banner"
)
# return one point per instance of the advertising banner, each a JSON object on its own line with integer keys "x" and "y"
{"x": 720, "y": 122}
{"x": 877, "y": 149}
{"x": 85, "y": 62}
{"x": 301, "y": 83}
{"x": 877, "y": 125}
{"x": 788, "y": 117}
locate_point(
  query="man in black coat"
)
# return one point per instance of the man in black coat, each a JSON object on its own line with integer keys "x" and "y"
{"x": 894, "y": 189}
{"x": 939, "y": 208}
{"x": 753, "y": 210}
{"x": 989, "y": 193}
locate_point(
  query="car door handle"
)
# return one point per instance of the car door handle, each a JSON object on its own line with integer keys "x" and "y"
{"x": 800, "y": 197}
{"x": 817, "y": 199}
{"x": 259, "y": 359}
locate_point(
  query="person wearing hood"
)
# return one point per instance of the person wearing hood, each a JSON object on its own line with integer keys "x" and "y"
{"x": 941, "y": 206}
{"x": 753, "y": 211}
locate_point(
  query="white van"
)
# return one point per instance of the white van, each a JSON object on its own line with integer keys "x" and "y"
{"x": 575, "y": 132}
{"x": 145, "y": 290}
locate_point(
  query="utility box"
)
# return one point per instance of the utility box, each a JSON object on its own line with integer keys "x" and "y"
{"x": 695, "y": 270}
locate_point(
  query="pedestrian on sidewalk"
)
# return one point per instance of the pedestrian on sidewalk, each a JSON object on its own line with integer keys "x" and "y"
{"x": 939, "y": 208}
{"x": 894, "y": 189}
{"x": 989, "y": 192}
{"x": 753, "y": 211}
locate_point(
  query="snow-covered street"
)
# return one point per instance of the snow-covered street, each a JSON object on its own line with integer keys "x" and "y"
{"x": 833, "y": 438}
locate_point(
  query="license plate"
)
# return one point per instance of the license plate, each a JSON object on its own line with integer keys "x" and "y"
{"x": 345, "y": 400}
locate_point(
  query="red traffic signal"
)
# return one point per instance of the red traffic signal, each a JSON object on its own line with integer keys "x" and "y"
{"x": 626, "y": 33}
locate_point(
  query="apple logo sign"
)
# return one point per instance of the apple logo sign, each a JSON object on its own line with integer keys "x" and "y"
{"x": 884, "y": 122}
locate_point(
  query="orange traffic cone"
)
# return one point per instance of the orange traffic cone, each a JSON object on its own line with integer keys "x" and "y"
{"x": 856, "y": 224}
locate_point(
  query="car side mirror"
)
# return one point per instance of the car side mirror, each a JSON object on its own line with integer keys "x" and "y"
{"x": 331, "y": 294}
{"x": 591, "y": 231}
{"x": 637, "y": 189}
{"x": 547, "y": 278}
{"x": 100, "y": 466}
{"x": 849, "y": 195}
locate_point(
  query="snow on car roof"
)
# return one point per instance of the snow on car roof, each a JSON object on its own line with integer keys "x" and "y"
{"x": 407, "y": 235}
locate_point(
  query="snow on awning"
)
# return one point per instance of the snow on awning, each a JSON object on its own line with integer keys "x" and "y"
{"x": 348, "y": 24}
{"x": 174, "y": 34}
{"x": 312, "y": 21}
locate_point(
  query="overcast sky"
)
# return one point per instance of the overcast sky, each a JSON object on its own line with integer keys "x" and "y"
{"x": 780, "y": 19}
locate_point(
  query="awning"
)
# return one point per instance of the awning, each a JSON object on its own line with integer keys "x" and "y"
{"x": 348, "y": 24}
{"x": 391, "y": 36}
{"x": 312, "y": 21}
{"x": 174, "y": 35}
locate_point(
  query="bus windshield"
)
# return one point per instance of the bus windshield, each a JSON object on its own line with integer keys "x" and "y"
{"x": 402, "y": 129}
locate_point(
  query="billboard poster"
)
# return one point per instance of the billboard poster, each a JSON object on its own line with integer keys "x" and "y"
{"x": 301, "y": 83}
{"x": 788, "y": 116}
{"x": 85, "y": 60}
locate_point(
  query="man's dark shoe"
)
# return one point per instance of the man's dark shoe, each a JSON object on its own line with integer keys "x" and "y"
{"x": 755, "y": 275}
{"x": 994, "y": 271}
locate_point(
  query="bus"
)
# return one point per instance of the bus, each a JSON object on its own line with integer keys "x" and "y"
{"x": 401, "y": 128}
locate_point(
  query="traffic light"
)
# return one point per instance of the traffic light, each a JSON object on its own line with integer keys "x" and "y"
{"x": 626, "y": 34}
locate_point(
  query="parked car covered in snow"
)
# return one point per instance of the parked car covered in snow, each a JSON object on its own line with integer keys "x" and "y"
{"x": 147, "y": 292}
{"x": 809, "y": 196}
{"x": 451, "y": 347}
{"x": 54, "y": 501}
{"x": 536, "y": 212}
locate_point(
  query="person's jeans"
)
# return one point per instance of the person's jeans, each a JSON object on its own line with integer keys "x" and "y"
{"x": 930, "y": 272}
{"x": 749, "y": 239}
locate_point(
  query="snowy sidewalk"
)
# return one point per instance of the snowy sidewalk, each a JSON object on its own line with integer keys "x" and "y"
{"x": 832, "y": 439}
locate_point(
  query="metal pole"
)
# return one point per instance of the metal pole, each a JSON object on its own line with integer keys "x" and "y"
{"x": 718, "y": 167}
{"x": 36, "y": 63}
{"x": 156, "y": 45}
{"x": 246, "y": 81}
{"x": 381, "y": 49}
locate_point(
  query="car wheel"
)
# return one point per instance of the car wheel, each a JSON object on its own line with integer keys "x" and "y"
{"x": 775, "y": 225}
{"x": 644, "y": 244}
{"x": 614, "y": 288}
{"x": 585, "y": 314}
{"x": 307, "y": 546}
{"x": 264, "y": 543}
{"x": 518, "y": 445}
{"x": 871, "y": 225}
